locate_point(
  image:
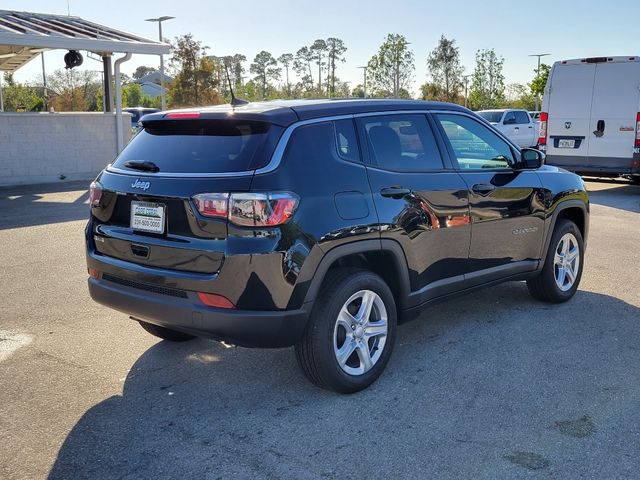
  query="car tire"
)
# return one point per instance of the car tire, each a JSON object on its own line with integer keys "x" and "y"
{"x": 635, "y": 179}
{"x": 562, "y": 271}
{"x": 340, "y": 336}
{"x": 165, "y": 333}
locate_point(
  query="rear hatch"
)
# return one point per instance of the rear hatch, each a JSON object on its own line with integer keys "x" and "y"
{"x": 145, "y": 213}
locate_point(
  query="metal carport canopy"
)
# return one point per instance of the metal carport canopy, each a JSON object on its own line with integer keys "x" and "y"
{"x": 23, "y": 35}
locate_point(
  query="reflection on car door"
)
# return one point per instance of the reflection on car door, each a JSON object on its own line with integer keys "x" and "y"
{"x": 507, "y": 210}
{"x": 421, "y": 204}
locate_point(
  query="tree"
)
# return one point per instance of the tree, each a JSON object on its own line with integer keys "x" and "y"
{"x": 445, "y": 70}
{"x": 390, "y": 71}
{"x": 302, "y": 66}
{"x": 319, "y": 48}
{"x": 20, "y": 97}
{"x": 195, "y": 82}
{"x": 540, "y": 80}
{"x": 519, "y": 96}
{"x": 286, "y": 59}
{"x": 142, "y": 71}
{"x": 73, "y": 90}
{"x": 335, "y": 53}
{"x": 487, "y": 86}
{"x": 265, "y": 68}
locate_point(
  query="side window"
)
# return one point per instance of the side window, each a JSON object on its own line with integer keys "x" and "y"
{"x": 509, "y": 118}
{"x": 313, "y": 143}
{"x": 522, "y": 117}
{"x": 474, "y": 145}
{"x": 402, "y": 143}
{"x": 346, "y": 140}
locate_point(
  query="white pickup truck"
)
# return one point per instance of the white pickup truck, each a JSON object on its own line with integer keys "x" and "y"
{"x": 516, "y": 125}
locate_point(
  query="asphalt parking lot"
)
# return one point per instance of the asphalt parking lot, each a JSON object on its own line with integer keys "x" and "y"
{"x": 490, "y": 385}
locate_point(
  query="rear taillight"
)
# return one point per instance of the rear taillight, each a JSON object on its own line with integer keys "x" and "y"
{"x": 542, "y": 133}
{"x": 248, "y": 209}
{"x": 95, "y": 194}
{"x": 637, "y": 143}
{"x": 214, "y": 300}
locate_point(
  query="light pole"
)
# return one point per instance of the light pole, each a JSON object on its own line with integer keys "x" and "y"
{"x": 364, "y": 85}
{"x": 466, "y": 85}
{"x": 538, "y": 71}
{"x": 163, "y": 98}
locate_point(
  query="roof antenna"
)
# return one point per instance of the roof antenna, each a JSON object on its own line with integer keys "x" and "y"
{"x": 235, "y": 102}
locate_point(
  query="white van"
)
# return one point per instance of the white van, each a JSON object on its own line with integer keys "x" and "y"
{"x": 590, "y": 119}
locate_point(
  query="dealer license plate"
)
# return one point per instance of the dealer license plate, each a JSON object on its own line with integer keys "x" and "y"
{"x": 147, "y": 217}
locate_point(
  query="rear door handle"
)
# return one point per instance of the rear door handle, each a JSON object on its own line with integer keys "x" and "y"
{"x": 483, "y": 188}
{"x": 395, "y": 192}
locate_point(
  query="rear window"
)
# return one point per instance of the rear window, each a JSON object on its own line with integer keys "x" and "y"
{"x": 201, "y": 146}
{"x": 491, "y": 117}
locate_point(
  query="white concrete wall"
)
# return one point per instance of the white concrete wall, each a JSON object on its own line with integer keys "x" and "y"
{"x": 42, "y": 147}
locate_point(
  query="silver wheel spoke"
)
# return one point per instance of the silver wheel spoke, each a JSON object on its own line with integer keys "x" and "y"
{"x": 561, "y": 276}
{"x": 569, "y": 271}
{"x": 345, "y": 319}
{"x": 572, "y": 254}
{"x": 364, "y": 312}
{"x": 364, "y": 355}
{"x": 346, "y": 351}
{"x": 375, "y": 329}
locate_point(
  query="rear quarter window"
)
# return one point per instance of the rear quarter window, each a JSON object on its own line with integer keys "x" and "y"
{"x": 202, "y": 146}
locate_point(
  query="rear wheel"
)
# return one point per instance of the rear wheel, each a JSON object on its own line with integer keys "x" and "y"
{"x": 635, "y": 179}
{"x": 351, "y": 332}
{"x": 165, "y": 333}
{"x": 560, "y": 277}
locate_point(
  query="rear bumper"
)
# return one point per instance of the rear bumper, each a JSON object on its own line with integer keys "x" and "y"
{"x": 269, "y": 329}
{"x": 598, "y": 166}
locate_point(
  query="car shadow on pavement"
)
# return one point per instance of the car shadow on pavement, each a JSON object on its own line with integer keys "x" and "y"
{"x": 624, "y": 197}
{"x": 484, "y": 386}
{"x": 29, "y": 205}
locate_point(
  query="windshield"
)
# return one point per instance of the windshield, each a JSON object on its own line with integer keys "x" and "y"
{"x": 199, "y": 146}
{"x": 491, "y": 117}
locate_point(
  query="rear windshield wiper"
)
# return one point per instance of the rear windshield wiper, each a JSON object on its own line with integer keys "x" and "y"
{"x": 145, "y": 166}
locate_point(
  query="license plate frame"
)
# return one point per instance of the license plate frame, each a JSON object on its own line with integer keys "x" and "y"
{"x": 566, "y": 143}
{"x": 148, "y": 217}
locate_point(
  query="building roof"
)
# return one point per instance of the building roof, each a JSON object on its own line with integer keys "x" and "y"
{"x": 286, "y": 112}
{"x": 23, "y": 35}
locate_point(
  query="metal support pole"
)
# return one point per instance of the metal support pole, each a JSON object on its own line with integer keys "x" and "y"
{"x": 538, "y": 73}
{"x": 119, "y": 131}
{"x": 108, "y": 82}
{"x": 163, "y": 96}
{"x": 44, "y": 85}
{"x": 364, "y": 83}
{"x": 1, "y": 95}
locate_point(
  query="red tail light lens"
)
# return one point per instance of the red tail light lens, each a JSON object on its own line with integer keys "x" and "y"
{"x": 95, "y": 194}
{"x": 248, "y": 209}
{"x": 637, "y": 143}
{"x": 542, "y": 134}
{"x": 213, "y": 300}
{"x": 212, "y": 204}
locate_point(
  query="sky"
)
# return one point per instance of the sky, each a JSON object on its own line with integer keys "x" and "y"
{"x": 565, "y": 29}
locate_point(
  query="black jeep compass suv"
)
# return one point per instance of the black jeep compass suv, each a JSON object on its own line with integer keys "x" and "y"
{"x": 323, "y": 224}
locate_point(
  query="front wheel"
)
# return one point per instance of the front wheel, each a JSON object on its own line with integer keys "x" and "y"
{"x": 562, "y": 271}
{"x": 351, "y": 332}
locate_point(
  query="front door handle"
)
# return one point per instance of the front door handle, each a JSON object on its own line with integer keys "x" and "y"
{"x": 395, "y": 192}
{"x": 483, "y": 188}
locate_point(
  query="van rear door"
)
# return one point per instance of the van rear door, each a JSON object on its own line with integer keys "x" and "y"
{"x": 569, "y": 108}
{"x": 613, "y": 115}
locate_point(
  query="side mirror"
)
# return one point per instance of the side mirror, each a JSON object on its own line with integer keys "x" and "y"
{"x": 509, "y": 121}
{"x": 531, "y": 159}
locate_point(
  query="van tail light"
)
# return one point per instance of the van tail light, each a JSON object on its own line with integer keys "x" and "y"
{"x": 542, "y": 134}
{"x": 248, "y": 209}
{"x": 637, "y": 143}
{"x": 95, "y": 194}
